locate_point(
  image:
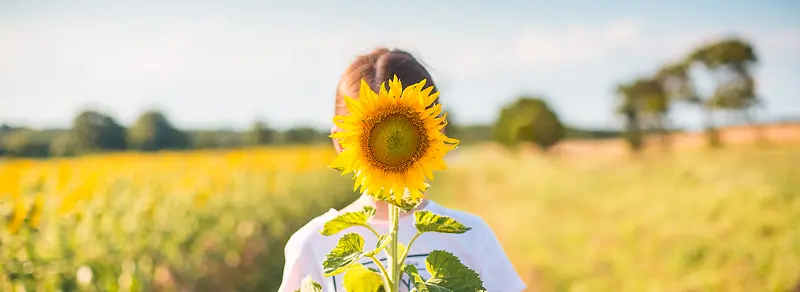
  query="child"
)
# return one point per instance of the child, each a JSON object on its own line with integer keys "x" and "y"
{"x": 478, "y": 248}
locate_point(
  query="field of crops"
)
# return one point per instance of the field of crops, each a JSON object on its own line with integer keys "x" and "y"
{"x": 691, "y": 220}
{"x": 193, "y": 221}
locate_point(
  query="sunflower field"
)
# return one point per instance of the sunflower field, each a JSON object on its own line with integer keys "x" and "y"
{"x": 189, "y": 221}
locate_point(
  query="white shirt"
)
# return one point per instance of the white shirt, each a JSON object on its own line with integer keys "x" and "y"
{"x": 478, "y": 249}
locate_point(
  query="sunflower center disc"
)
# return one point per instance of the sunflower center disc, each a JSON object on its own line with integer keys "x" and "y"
{"x": 395, "y": 141}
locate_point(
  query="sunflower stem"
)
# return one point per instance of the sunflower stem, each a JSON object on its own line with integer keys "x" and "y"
{"x": 393, "y": 260}
{"x": 386, "y": 278}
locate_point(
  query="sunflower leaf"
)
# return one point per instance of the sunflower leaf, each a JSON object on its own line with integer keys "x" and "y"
{"x": 308, "y": 285}
{"x": 416, "y": 280}
{"x": 383, "y": 241}
{"x": 425, "y": 221}
{"x": 348, "y": 251}
{"x": 360, "y": 279}
{"x": 348, "y": 220}
{"x": 447, "y": 274}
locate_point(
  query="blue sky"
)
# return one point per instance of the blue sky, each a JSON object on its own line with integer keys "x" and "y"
{"x": 214, "y": 64}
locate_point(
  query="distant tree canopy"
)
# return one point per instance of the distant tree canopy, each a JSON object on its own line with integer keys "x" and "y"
{"x": 729, "y": 62}
{"x": 152, "y": 132}
{"x": 645, "y": 102}
{"x": 26, "y": 143}
{"x": 94, "y": 131}
{"x": 303, "y": 135}
{"x": 260, "y": 134}
{"x": 528, "y": 120}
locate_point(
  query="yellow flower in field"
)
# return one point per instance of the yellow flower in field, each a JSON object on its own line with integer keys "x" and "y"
{"x": 392, "y": 141}
{"x": 18, "y": 217}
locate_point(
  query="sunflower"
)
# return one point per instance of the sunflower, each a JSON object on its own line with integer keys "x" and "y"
{"x": 392, "y": 140}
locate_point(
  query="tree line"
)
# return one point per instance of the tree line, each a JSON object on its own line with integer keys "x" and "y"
{"x": 93, "y": 131}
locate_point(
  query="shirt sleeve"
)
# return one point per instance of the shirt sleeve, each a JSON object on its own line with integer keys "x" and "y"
{"x": 300, "y": 262}
{"x": 496, "y": 270}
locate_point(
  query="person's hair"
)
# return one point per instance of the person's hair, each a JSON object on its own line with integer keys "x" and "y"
{"x": 379, "y": 66}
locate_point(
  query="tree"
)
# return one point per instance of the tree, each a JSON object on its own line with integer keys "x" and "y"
{"x": 94, "y": 131}
{"x": 645, "y": 103}
{"x": 260, "y": 134}
{"x": 628, "y": 106}
{"x": 528, "y": 120}
{"x": 729, "y": 61}
{"x": 152, "y": 132}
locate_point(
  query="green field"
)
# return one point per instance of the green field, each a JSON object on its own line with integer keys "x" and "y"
{"x": 695, "y": 220}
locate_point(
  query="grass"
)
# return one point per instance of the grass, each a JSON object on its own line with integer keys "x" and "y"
{"x": 694, "y": 220}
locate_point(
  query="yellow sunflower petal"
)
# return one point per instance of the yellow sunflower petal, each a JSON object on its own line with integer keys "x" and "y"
{"x": 425, "y": 94}
{"x": 383, "y": 92}
{"x": 342, "y": 161}
{"x": 344, "y": 134}
{"x": 366, "y": 93}
{"x": 353, "y": 105}
{"x": 395, "y": 88}
{"x": 434, "y": 111}
{"x": 425, "y": 170}
{"x": 430, "y": 99}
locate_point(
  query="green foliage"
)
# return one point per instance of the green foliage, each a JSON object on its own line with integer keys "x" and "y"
{"x": 729, "y": 61}
{"x": 260, "y": 134}
{"x": 528, "y": 120}
{"x": 643, "y": 100}
{"x": 152, "y": 132}
{"x": 308, "y": 285}
{"x": 647, "y": 99}
{"x": 216, "y": 139}
{"x": 26, "y": 143}
{"x": 95, "y": 131}
{"x": 425, "y": 221}
{"x": 348, "y": 220}
{"x": 360, "y": 279}
{"x": 447, "y": 274}
{"x": 348, "y": 251}
{"x": 304, "y": 135}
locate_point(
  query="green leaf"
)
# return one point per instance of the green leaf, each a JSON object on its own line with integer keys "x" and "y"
{"x": 425, "y": 221}
{"x": 308, "y": 285}
{"x": 447, "y": 274}
{"x": 360, "y": 279}
{"x": 383, "y": 241}
{"x": 348, "y": 220}
{"x": 412, "y": 273}
{"x": 349, "y": 250}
